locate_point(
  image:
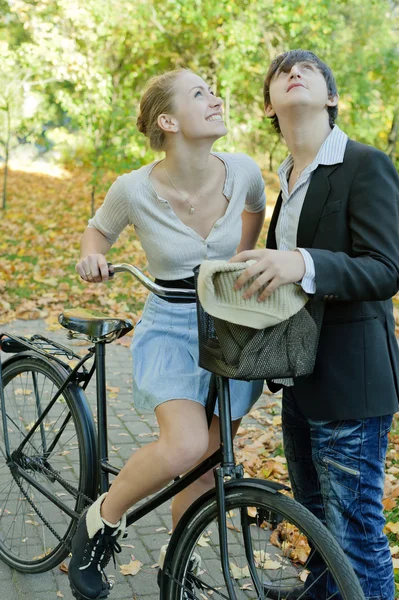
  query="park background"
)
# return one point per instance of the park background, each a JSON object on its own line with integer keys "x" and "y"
{"x": 71, "y": 76}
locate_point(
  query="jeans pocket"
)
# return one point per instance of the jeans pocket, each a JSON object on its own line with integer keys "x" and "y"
{"x": 337, "y": 465}
{"x": 342, "y": 474}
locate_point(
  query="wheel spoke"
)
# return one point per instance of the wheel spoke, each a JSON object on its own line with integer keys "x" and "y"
{"x": 33, "y": 525}
{"x": 275, "y": 552}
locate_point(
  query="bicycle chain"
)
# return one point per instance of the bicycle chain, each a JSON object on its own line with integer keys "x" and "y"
{"x": 42, "y": 517}
{"x": 67, "y": 486}
{"x": 75, "y": 491}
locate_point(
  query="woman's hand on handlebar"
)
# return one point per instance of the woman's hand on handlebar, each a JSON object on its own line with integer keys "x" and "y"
{"x": 93, "y": 268}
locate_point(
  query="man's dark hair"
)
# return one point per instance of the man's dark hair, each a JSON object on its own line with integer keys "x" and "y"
{"x": 284, "y": 63}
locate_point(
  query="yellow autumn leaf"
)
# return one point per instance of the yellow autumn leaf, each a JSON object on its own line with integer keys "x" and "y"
{"x": 392, "y": 527}
{"x": 238, "y": 572}
{"x": 131, "y": 568}
{"x": 203, "y": 541}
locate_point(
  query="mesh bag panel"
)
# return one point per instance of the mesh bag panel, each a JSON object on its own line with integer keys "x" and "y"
{"x": 285, "y": 350}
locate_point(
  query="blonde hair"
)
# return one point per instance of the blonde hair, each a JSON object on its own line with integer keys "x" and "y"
{"x": 156, "y": 100}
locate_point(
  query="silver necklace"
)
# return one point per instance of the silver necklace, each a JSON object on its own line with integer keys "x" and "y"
{"x": 299, "y": 173}
{"x": 191, "y": 204}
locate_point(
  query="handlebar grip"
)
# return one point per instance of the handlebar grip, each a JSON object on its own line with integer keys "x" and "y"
{"x": 110, "y": 265}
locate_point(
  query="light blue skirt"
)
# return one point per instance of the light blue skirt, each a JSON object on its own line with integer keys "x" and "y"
{"x": 165, "y": 361}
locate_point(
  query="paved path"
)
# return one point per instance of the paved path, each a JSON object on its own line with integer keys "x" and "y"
{"x": 149, "y": 534}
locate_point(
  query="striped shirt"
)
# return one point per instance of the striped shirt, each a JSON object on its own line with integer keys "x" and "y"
{"x": 172, "y": 248}
{"x": 331, "y": 152}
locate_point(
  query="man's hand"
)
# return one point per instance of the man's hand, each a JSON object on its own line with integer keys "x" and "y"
{"x": 273, "y": 267}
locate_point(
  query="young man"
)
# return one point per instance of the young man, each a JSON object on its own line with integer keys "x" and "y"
{"x": 335, "y": 229}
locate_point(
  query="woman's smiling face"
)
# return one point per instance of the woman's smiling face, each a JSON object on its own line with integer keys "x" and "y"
{"x": 198, "y": 111}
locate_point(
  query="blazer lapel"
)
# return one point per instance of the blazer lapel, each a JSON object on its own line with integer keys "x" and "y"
{"x": 313, "y": 205}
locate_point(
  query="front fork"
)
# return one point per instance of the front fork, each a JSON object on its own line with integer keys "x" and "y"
{"x": 230, "y": 470}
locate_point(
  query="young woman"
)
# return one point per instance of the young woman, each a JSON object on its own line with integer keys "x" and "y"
{"x": 191, "y": 206}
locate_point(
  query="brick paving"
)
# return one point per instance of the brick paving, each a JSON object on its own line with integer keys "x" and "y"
{"x": 150, "y": 533}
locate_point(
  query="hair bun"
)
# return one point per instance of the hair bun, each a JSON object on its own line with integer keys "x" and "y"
{"x": 141, "y": 125}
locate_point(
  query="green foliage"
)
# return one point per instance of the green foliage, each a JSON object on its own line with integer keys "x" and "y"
{"x": 90, "y": 59}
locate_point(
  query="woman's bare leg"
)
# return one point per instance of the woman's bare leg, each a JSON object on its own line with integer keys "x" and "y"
{"x": 183, "y": 439}
{"x": 183, "y": 500}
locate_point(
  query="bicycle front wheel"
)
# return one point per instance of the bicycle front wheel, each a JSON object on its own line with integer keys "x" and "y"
{"x": 276, "y": 549}
{"x": 40, "y": 484}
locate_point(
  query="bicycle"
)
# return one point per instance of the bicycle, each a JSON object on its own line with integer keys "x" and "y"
{"x": 54, "y": 464}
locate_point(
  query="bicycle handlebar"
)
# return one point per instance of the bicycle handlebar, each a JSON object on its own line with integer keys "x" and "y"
{"x": 150, "y": 285}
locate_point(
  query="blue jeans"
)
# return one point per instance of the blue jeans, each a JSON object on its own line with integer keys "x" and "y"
{"x": 336, "y": 470}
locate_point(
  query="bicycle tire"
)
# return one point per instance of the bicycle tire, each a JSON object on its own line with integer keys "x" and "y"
{"x": 199, "y": 523}
{"x": 35, "y": 533}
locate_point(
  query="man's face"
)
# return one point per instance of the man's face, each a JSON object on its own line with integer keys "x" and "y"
{"x": 299, "y": 88}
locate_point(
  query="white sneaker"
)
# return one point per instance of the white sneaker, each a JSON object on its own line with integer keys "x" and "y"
{"x": 195, "y": 559}
{"x": 194, "y": 569}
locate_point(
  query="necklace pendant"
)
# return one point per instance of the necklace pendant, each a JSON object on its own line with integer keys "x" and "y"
{"x": 191, "y": 210}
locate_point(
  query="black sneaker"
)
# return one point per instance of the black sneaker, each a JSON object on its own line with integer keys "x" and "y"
{"x": 92, "y": 547}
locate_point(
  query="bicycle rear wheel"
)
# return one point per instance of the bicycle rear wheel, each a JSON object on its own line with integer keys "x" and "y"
{"x": 60, "y": 458}
{"x": 277, "y": 549}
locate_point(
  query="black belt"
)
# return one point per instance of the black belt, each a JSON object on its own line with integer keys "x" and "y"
{"x": 182, "y": 284}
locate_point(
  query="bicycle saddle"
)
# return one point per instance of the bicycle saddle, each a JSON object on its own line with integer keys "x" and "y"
{"x": 93, "y": 323}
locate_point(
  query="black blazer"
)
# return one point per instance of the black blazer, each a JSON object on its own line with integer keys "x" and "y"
{"x": 350, "y": 225}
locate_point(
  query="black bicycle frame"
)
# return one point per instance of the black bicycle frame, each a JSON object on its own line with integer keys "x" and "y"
{"x": 224, "y": 456}
{"x": 218, "y": 389}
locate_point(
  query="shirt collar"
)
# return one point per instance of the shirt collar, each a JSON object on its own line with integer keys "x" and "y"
{"x": 330, "y": 152}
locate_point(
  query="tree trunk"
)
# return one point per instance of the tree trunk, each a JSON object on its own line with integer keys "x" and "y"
{"x": 5, "y": 183}
{"x": 7, "y": 150}
{"x": 393, "y": 136}
{"x": 271, "y": 154}
{"x": 93, "y": 192}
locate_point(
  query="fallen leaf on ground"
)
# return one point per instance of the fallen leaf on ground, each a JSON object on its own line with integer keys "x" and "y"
{"x": 132, "y": 568}
{"x": 35, "y": 523}
{"x": 239, "y": 573}
{"x": 203, "y": 541}
{"x": 389, "y": 503}
{"x": 113, "y": 389}
{"x": 263, "y": 561}
{"x": 232, "y": 527}
{"x": 304, "y": 575}
{"x": 392, "y": 527}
